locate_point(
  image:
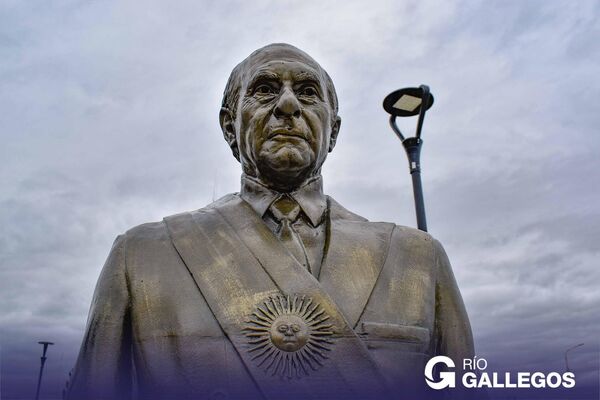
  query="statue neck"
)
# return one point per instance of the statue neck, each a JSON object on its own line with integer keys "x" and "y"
{"x": 309, "y": 196}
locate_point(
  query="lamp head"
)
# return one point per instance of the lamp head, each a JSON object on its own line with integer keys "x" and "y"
{"x": 407, "y": 102}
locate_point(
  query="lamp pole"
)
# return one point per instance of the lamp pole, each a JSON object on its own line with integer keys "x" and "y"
{"x": 405, "y": 103}
{"x": 567, "y": 355}
{"x": 43, "y": 361}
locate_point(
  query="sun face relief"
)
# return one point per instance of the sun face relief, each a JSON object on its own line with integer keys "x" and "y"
{"x": 284, "y": 122}
{"x": 289, "y": 333}
{"x": 289, "y": 336}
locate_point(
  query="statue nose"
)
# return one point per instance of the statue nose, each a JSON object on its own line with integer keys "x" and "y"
{"x": 287, "y": 106}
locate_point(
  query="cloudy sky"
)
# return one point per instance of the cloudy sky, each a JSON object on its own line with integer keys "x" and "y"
{"x": 110, "y": 119}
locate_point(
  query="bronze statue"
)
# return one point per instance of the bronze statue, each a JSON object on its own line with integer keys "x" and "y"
{"x": 277, "y": 291}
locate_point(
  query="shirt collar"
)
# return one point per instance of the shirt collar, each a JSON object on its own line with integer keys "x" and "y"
{"x": 309, "y": 197}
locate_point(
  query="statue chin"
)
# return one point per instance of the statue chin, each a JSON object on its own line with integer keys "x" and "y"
{"x": 285, "y": 169}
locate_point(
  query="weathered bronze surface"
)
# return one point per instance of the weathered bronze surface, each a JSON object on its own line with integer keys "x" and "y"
{"x": 277, "y": 291}
{"x": 294, "y": 325}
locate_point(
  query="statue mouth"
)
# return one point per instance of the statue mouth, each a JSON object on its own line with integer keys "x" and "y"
{"x": 287, "y": 132}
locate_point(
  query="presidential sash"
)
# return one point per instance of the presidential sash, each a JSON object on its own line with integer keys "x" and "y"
{"x": 293, "y": 338}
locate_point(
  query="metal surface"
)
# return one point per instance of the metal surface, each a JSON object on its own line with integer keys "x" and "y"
{"x": 43, "y": 361}
{"x": 184, "y": 307}
{"x": 391, "y": 100}
{"x": 567, "y": 355}
{"x": 412, "y": 145}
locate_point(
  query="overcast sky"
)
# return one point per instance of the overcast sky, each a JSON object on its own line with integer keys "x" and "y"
{"x": 109, "y": 119}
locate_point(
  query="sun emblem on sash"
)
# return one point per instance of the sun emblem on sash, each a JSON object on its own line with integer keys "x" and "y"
{"x": 289, "y": 336}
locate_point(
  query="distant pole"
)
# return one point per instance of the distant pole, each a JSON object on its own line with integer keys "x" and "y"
{"x": 567, "y": 355}
{"x": 43, "y": 361}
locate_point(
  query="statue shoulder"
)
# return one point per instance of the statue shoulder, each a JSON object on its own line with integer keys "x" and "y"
{"x": 157, "y": 231}
{"x": 146, "y": 232}
{"x": 401, "y": 233}
{"x": 412, "y": 236}
{"x": 421, "y": 247}
{"x": 415, "y": 240}
{"x": 337, "y": 211}
{"x": 401, "y": 241}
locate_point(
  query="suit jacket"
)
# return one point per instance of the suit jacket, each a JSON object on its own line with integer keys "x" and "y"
{"x": 156, "y": 330}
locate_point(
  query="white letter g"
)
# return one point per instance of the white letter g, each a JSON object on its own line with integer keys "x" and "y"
{"x": 447, "y": 379}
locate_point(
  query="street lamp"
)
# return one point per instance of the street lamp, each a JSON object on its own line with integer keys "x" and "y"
{"x": 567, "y": 354}
{"x": 409, "y": 102}
{"x": 43, "y": 360}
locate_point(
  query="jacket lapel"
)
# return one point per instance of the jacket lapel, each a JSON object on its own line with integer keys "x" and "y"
{"x": 354, "y": 256}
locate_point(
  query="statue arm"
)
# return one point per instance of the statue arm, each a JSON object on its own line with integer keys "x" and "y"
{"x": 104, "y": 366}
{"x": 453, "y": 330}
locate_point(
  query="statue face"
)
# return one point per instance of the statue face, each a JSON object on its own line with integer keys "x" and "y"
{"x": 284, "y": 122}
{"x": 289, "y": 333}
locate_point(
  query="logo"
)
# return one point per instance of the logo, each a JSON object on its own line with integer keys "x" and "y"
{"x": 447, "y": 379}
{"x": 474, "y": 375}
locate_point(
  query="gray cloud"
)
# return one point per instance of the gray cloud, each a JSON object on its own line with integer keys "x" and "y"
{"x": 110, "y": 120}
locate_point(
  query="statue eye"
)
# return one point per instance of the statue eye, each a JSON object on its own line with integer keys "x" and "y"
{"x": 264, "y": 89}
{"x": 282, "y": 328}
{"x": 308, "y": 91}
{"x": 296, "y": 328}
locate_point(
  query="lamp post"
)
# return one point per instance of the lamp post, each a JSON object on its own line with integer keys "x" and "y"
{"x": 567, "y": 355}
{"x": 409, "y": 102}
{"x": 43, "y": 361}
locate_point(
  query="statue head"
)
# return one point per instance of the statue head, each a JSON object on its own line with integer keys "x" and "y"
{"x": 279, "y": 116}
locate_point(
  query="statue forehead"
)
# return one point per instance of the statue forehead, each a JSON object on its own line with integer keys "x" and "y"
{"x": 272, "y": 56}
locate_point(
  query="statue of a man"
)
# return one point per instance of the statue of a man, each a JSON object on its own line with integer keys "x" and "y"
{"x": 277, "y": 291}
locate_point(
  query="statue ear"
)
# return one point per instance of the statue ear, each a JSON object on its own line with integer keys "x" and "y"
{"x": 227, "y": 122}
{"x": 335, "y": 129}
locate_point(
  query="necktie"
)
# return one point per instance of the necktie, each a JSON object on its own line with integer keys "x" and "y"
{"x": 286, "y": 210}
